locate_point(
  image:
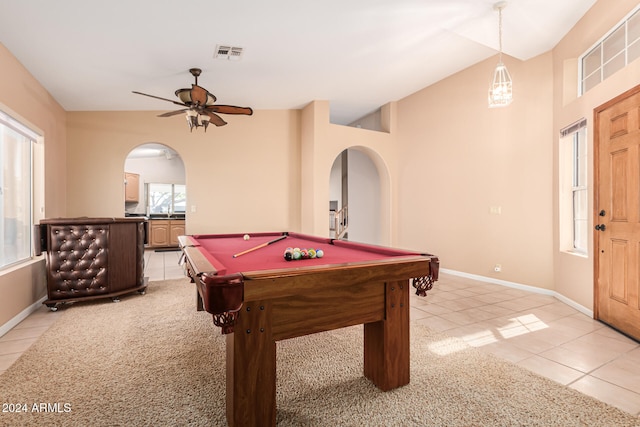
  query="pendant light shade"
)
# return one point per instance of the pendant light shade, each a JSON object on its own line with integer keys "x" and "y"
{"x": 500, "y": 91}
{"x": 501, "y": 87}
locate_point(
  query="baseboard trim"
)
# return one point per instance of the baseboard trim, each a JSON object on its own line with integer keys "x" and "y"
{"x": 21, "y": 316}
{"x": 582, "y": 309}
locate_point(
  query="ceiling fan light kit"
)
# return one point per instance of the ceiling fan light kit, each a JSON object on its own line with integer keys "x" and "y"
{"x": 195, "y": 120}
{"x": 501, "y": 87}
{"x": 200, "y": 105}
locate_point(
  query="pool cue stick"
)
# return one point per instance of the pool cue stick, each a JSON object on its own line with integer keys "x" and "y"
{"x": 260, "y": 246}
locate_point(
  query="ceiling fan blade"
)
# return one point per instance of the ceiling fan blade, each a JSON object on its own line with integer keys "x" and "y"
{"x": 173, "y": 113}
{"x": 215, "y": 119}
{"x": 163, "y": 99}
{"x": 230, "y": 109}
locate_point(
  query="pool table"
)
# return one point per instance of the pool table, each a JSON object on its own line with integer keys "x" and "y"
{"x": 258, "y": 298}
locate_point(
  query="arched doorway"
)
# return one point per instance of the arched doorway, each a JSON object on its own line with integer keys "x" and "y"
{"x": 152, "y": 163}
{"x": 355, "y": 198}
{"x": 155, "y": 188}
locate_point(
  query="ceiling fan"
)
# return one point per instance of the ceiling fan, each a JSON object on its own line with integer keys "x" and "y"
{"x": 200, "y": 105}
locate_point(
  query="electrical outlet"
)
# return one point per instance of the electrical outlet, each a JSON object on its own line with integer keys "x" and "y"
{"x": 497, "y": 268}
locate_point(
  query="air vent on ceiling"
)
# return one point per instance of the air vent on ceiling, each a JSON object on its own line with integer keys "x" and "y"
{"x": 228, "y": 52}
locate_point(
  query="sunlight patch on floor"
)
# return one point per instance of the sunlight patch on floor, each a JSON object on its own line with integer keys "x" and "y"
{"x": 447, "y": 346}
{"x": 515, "y": 327}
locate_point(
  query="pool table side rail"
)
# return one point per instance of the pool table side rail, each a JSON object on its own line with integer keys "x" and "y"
{"x": 283, "y": 283}
{"x": 199, "y": 265}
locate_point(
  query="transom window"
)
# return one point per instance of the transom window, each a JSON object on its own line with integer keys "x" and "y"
{"x": 619, "y": 47}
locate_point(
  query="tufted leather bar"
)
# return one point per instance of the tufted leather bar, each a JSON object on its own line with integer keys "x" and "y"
{"x": 89, "y": 258}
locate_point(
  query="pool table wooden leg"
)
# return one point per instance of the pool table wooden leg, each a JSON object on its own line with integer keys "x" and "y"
{"x": 251, "y": 368}
{"x": 386, "y": 343}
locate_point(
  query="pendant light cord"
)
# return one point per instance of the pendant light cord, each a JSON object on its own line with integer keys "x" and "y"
{"x": 500, "y": 31}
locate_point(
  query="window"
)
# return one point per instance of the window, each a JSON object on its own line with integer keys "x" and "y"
{"x": 166, "y": 198}
{"x": 574, "y": 191}
{"x": 16, "y": 154}
{"x": 614, "y": 51}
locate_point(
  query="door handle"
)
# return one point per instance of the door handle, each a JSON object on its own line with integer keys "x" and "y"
{"x": 601, "y": 227}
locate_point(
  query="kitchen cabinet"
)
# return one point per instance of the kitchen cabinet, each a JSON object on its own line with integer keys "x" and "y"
{"x": 159, "y": 231}
{"x": 176, "y": 228}
{"x": 131, "y": 187}
{"x": 165, "y": 232}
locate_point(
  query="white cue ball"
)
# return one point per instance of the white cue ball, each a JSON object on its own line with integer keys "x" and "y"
{"x": 246, "y": 237}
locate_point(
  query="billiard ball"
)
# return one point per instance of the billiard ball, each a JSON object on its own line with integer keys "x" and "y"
{"x": 297, "y": 255}
{"x": 319, "y": 253}
{"x": 288, "y": 255}
{"x": 246, "y": 237}
{"x": 312, "y": 253}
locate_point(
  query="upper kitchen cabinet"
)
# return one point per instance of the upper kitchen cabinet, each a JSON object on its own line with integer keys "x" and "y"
{"x": 131, "y": 187}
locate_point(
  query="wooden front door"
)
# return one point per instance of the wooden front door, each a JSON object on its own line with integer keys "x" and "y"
{"x": 617, "y": 212}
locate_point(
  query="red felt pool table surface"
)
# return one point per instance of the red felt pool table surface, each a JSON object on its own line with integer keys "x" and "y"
{"x": 219, "y": 250}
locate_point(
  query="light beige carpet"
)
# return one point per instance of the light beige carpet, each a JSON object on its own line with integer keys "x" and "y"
{"x": 153, "y": 360}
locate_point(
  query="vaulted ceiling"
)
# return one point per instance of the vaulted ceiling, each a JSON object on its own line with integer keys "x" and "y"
{"x": 357, "y": 54}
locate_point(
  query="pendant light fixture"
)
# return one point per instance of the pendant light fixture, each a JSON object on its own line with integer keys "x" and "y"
{"x": 501, "y": 89}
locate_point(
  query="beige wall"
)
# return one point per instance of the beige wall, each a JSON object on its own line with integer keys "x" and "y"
{"x": 257, "y": 173}
{"x": 468, "y": 158}
{"x": 323, "y": 142}
{"x": 241, "y": 177}
{"x": 25, "y": 99}
{"x": 461, "y": 158}
{"x": 573, "y": 275}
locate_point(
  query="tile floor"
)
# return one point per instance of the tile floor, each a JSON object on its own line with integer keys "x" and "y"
{"x": 538, "y": 332}
{"x": 532, "y": 330}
